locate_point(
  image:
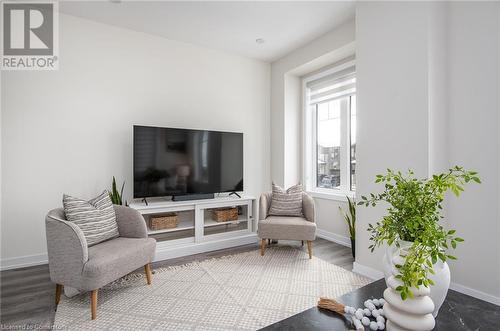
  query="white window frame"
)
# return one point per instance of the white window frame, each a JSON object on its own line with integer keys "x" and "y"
{"x": 309, "y": 148}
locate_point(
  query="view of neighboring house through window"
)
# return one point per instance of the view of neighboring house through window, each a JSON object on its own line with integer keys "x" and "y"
{"x": 353, "y": 141}
{"x": 331, "y": 126}
{"x": 328, "y": 144}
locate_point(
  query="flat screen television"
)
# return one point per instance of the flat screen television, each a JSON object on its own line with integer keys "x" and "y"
{"x": 181, "y": 162}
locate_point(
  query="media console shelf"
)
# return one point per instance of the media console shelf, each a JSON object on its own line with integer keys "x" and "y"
{"x": 196, "y": 232}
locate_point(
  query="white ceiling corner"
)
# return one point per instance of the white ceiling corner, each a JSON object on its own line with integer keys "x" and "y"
{"x": 228, "y": 26}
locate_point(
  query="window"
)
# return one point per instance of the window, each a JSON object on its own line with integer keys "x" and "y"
{"x": 330, "y": 130}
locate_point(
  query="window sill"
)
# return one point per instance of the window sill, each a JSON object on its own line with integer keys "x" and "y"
{"x": 337, "y": 195}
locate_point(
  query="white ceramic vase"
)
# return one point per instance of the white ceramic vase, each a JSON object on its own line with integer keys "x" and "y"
{"x": 441, "y": 277}
{"x": 414, "y": 313}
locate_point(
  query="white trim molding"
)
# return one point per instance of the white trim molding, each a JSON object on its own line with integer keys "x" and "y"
{"x": 375, "y": 274}
{"x": 336, "y": 238}
{"x": 23, "y": 261}
{"x": 163, "y": 251}
{"x": 337, "y": 196}
{"x": 475, "y": 293}
{"x": 366, "y": 271}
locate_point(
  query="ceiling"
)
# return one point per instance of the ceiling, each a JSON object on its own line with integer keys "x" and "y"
{"x": 229, "y": 26}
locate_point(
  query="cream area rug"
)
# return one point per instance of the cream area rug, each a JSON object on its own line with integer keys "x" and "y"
{"x": 245, "y": 291}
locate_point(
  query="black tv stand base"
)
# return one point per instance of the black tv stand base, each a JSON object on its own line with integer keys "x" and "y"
{"x": 193, "y": 197}
{"x": 235, "y": 193}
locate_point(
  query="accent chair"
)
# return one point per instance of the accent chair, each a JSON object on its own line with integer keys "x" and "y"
{"x": 75, "y": 265}
{"x": 286, "y": 227}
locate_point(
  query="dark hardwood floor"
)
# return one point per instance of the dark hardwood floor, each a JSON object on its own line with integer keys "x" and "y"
{"x": 27, "y": 294}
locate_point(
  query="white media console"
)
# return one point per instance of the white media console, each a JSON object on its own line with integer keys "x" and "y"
{"x": 196, "y": 232}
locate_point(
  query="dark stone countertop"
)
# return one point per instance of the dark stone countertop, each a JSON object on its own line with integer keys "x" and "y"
{"x": 458, "y": 312}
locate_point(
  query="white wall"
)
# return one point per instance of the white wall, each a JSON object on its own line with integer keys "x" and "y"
{"x": 428, "y": 86}
{"x": 285, "y": 86}
{"x": 474, "y": 89}
{"x": 391, "y": 71}
{"x": 69, "y": 131}
{"x": 292, "y": 171}
{"x": 286, "y": 117}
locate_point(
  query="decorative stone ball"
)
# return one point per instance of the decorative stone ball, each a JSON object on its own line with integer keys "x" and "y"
{"x": 352, "y": 310}
{"x": 369, "y": 304}
{"x": 380, "y": 319}
{"x": 359, "y": 314}
{"x": 381, "y": 312}
{"x": 373, "y": 326}
{"x": 357, "y": 323}
{"x": 347, "y": 309}
{"x": 376, "y": 302}
{"x": 375, "y": 313}
{"x": 382, "y": 301}
{"x": 366, "y": 321}
{"x": 380, "y": 325}
{"x": 367, "y": 312}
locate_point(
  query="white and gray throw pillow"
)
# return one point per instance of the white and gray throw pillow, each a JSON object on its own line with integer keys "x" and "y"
{"x": 286, "y": 202}
{"x": 96, "y": 218}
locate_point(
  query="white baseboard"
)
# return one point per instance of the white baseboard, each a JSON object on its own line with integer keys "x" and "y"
{"x": 336, "y": 238}
{"x": 369, "y": 272}
{"x": 376, "y": 274}
{"x": 23, "y": 261}
{"x": 162, "y": 253}
{"x": 475, "y": 293}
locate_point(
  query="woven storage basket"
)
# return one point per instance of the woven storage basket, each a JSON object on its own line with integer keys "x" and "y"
{"x": 161, "y": 222}
{"x": 225, "y": 214}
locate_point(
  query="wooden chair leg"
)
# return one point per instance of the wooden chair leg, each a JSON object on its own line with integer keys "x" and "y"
{"x": 59, "y": 288}
{"x": 262, "y": 247}
{"x": 269, "y": 241}
{"x": 310, "y": 248}
{"x": 147, "y": 270}
{"x": 93, "y": 303}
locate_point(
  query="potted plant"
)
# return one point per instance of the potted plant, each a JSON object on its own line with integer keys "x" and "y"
{"x": 350, "y": 219}
{"x": 116, "y": 197}
{"x": 413, "y": 232}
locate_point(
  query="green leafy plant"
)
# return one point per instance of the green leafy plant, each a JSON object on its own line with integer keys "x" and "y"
{"x": 413, "y": 215}
{"x": 116, "y": 197}
{"x": 350, "y": 217}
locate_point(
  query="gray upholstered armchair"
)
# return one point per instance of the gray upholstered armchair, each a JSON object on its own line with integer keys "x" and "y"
{"x": 286, "y": 227}
{"x": 73, "y": 264}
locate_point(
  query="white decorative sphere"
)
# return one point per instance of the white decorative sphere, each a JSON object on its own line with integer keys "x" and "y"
{"x": 376, "y": 302}
{"x": 375, "y": 313}
{"x": 380, "y": 325}
{"x": 367, "y": 312}
{"x": 382, "y": 301}
{"x": 369, "y": 304}
{"x": 380, "y": 319}
{"x": 357, "y": 323}
{"x": 365, "y": 321}
{"x": 352, "y": 310}
{"x": 359, "y": 314}
{"x": 373, "y": 326}
{"x": 381, "y": 312}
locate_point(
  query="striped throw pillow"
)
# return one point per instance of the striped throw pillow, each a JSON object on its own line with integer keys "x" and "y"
{"x": 286, "y": 203}
{"x": 96, "y": 218}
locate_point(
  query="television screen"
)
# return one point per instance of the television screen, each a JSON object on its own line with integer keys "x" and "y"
{"x": 169, "y": 162}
